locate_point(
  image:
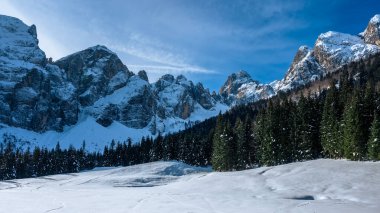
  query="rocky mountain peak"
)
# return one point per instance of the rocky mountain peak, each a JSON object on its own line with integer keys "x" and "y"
{"x": 372, "y": 32}
{"x": 167, "y": 77}
{"x": 241, "y": 74}
{"x": 34, "y": 95}
{"x": 33, "y": 31}
{"x": 181, "y": 79}
{"x": 303, "y": 69}
{"x": 18, "y": 42}
{"x": 95, "y": 72}
{"x": 142, "y": 74}
{"x": 301, "y": 54}
{"x": 331, "y": 51}
{"x": 334, "y": 49}
{"x": 234, "y": 81}
{"x": 241, "y": 88}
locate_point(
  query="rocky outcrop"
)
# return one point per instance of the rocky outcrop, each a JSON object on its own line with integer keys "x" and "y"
{"x": 177, "y": 97}
{"x": 33, "y": 94}
{"x": 19, "y": 44}
{"x": 240, "y": 88}
{"x": 140, "y": 109}
{"x": 372, "y": 32}
{"x": 95, "y": 72}
{"x": 303, "y": 69}
{"x": 333, "y": 49}
{"x": 142, "y": 74}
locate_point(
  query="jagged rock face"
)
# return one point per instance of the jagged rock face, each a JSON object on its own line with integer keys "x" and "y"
{"x": 332, "y": 50}
{"x": 240, "y": 88}
{"x": 140, "y": 109}
{"x": 203, "y": 96}
{"x": 132, "y": 105}
{"x": 177, "y": 97}
{"x": 303, "y": 69}
{"x": 138, "y": 104}
{"x": 95, "y": 72}
{"x": 34, "y": 95}
{"x": 44, "y": 101}
{"x": 372, "y": 32}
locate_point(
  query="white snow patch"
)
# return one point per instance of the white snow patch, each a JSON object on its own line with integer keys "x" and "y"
{"x": 88, "y": 130}
{"x": 375, "y": 19}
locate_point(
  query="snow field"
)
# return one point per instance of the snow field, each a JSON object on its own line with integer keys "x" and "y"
{"x": 312, "y": 186}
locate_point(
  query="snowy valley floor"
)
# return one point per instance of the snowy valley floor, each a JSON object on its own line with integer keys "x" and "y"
{"x": 312, "y": 186}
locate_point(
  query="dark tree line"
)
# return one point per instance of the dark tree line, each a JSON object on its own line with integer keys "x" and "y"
{"x": 341, "y": 122}
{"x": 15, "y": 163}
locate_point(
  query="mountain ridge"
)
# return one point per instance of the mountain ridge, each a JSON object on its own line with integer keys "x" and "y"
{"x": 93, "y": 87}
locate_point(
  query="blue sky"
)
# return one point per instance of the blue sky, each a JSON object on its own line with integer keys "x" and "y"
{"x": 206, "y": 40}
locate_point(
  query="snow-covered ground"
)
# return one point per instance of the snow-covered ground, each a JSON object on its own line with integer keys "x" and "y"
{"x": 313, "y": 186}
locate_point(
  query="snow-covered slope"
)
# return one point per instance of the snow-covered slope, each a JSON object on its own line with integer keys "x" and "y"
{"x": 312, "y": 186}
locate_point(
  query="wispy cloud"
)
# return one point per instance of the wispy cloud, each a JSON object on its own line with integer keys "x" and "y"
{"x": 157, "y": 57}
{"x": 207, "y": 39}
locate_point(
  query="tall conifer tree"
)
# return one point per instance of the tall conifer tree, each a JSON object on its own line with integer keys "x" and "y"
{"x": 374, "y": 140}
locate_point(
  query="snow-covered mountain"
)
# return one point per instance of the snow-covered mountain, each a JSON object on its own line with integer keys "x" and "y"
{"x": 88, "y": 96}
{"x": 331, "y": 51}
{"x": 33, "y": 93}
{"x": 92, "y": 96}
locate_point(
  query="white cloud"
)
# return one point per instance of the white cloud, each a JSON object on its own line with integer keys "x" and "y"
{"x": 153, "y": 51}
{"x": 154, "y": 56}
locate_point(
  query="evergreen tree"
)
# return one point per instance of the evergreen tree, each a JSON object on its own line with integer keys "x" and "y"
{"x": 223, "y": 152}
{"x": 263, "y": 136}
{"x": 306, "y": 127}
{"x": 72, "y": 160}
{"x": 368, "y": 108}
{"x": 158, "y": 148}
{"x": 353, "y": 134}
{"x": 331, "y": 139}
{"x": 242, "y": 145}
{"x": 285, "y": 118}
{"x": 8, "y": 167}
{"x": 374, "y": 140}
